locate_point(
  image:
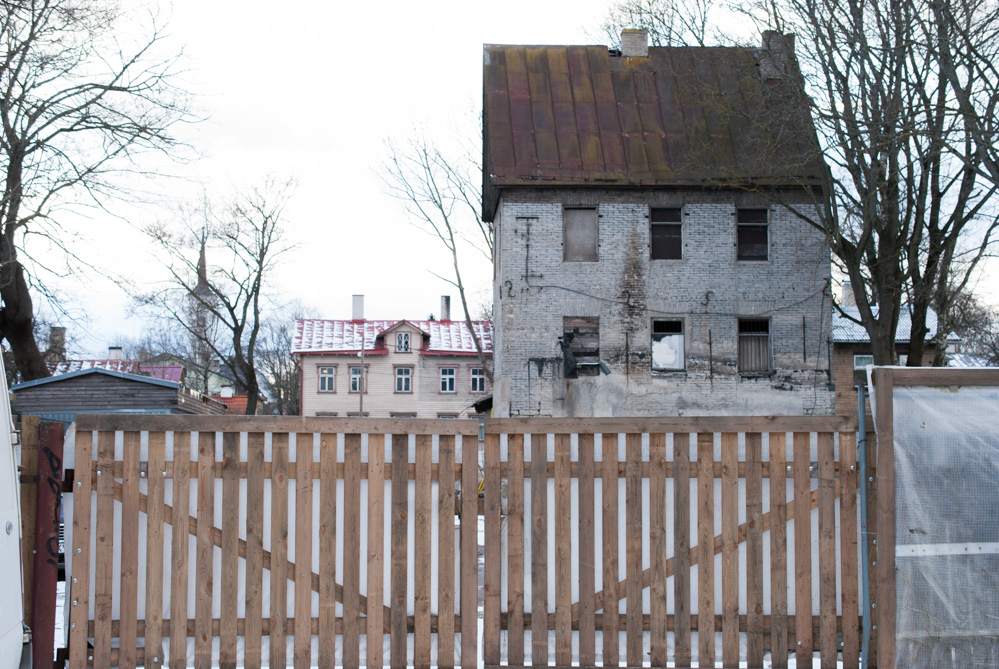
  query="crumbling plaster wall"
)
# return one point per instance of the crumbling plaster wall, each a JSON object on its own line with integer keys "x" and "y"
{"x": 708, "y": 290}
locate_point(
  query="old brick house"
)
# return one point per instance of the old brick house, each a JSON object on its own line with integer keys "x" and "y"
{"x": 410, "y": 368}
{"x": 642, "y": 266}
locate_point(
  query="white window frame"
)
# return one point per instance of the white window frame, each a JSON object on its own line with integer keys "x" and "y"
{"x": 448, "y": 382}
{"x": 476, "y": 374}
{"x": 407, "y": 377}
{"x": 862, "y": 361}
{"x": 402, "y": 342}
{"x": 358, "y": 378}
{"x": 326, "y": 380}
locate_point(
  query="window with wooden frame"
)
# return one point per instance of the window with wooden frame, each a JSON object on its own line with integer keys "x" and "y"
{"x": 666, "y": 233}
{"x": 327, "y": 378}
{"x": 754, "y": 346}
{"x": 580, "y": 235}
{"x": 404, "y": 379}
{"x": 582, "y": 334}
{"x": 448, "y": 376}
{"x": 355, "y": 379}
{"x": 667, "y": 344}
{"x": 477, "y": 380}
{"x": 753, "y": 234}
{"x": 402, "y": 342}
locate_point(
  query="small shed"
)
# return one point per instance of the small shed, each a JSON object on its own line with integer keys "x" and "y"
{"x": 104, "y": 391}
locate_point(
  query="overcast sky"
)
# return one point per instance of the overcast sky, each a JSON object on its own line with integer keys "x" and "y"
{"x": 314, "y": 93}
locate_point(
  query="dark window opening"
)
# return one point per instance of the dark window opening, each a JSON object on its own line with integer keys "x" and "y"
{"x": 754, "y": 346}
{"x": 580, "y": 243}
{"x": 753, "y": 237}
{"x": 581, "y": 346}
{"x": 666, "y": 234}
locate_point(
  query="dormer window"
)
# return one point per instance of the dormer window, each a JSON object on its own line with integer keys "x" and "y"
{"x": 402, "y": 342}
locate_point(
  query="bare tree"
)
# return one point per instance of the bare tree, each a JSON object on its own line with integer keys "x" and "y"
{"x": 79, "y": 104}
{"x": 280, "y": 374}
{"x": 668, "y": 22}
{"x": 443, "y": 194}
{"x": 244, "y": 239}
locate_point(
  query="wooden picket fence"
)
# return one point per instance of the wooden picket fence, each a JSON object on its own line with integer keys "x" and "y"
{"x": 304, "y": 532}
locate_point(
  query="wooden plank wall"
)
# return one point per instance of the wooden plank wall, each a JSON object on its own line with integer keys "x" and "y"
{"x": 637, "y": 563}
{"x": 332, "y": 519}
{"x": 334, "y": 510}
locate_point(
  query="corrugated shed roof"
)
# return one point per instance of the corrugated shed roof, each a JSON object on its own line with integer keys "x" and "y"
{"x": 95, "y": 370}
{"x": 173, "y": 373}
{"x": 967, "y": 360}
{"x": 345, "y": 336}
{"x": 576, "y": 115}
{"x": 846, "y": 331}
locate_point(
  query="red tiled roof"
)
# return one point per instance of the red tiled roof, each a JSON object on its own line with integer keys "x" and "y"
{"x": 344, "y": 336}
{"x": 233, "y": 405}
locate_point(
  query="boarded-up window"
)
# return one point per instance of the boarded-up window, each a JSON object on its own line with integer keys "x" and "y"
{"x": 667, "y": 344}
{"x": 666, "y": 234}
{"x": 754, "y": 346}
{"x": 753, "y": 234}
{"x": 580, "y": 235}
{"x": 583, "y": 337}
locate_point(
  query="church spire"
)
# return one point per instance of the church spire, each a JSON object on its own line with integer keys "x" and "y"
{"x": 202, "y": 267}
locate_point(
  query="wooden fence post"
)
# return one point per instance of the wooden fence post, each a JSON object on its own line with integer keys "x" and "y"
{"x": 29, "y": 501}
{"x": 46, "y": 541}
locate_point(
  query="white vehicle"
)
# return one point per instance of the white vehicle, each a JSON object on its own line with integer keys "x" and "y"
{"x": 12, "y": 631}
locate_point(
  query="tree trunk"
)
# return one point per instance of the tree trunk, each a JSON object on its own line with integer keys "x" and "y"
{"x": 17, "y": 323}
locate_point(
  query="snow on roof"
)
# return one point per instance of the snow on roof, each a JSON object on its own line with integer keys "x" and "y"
{"x": 173, "y": 373}
{"x": 846, "y": 331}
{"x": 967, "y": 360}
{"x": 345, "y": 336}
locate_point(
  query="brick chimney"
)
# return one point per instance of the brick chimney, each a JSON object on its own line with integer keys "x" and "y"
{"x": 57, "y": 344}
{"x": 846, "y": 297}
{"x": 635, "y": 43}
{"x": 115, "y": 353}
{"x": 357, "y": 313}
{"x": 445, "y": 307}
{"x": 776, "y": 55}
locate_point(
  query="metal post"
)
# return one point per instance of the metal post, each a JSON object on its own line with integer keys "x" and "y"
{"x": 864, "y": 550}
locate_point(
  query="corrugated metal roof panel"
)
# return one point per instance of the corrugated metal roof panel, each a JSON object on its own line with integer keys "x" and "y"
{"x": 846, "y": 331}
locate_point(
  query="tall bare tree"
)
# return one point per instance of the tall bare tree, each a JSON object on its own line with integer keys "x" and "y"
{"x": 243, "y": 241}
{"x": 909, "y": 206}
{"x": 79, "y": 105}
{"x": 442, "y": 192}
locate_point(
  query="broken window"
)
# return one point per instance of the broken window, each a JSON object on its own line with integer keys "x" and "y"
{"x": 752, "y": 232}
{"x": 327, "y": 379}
{"x": 667, "y": 344}
{"x": 666, "y": 234}
{"x": 581, "y": 338}
{"x": 754, "y": 346}
{"x": 580, "y": 243}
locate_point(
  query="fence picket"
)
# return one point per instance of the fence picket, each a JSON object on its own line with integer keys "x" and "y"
{"x": 279, "y": 550}
{"x": 515, "y": 553}
{"x": 539, "y": 549}
{"x": 754, "y": 549}
{"x": 492, "y": 567}
{"x": 303, "y": 550}
{"x": 421, "y": 551}
{"x": 848, "y": 548}
{"x": 778, "y": 551}
{"x": 205, "y": 574}
{"x": 705, "y": 549}
{"x": 104, "y": 558}
{"x": 802, "y": 548}
{"x": 179, "y": 557}
{"x": 445, "y": 556}
{"x": 327, "y": 550}
{"x": 633, "y": 542}
{"x": 681, "y": 548}
{"x": 827, "y": 552}
{"x": 609, "y": 456}
{"x": 563, "y": 553}
{"x": 657, "y": 548}
{"x": 80, "y": 587}
{"x": 229, "y": 591}
{"x": 153, "y": 635}
{"x": 352, "y": 552}
{"x": 375, "y": 631}
{"x": 730, "y": 549}
{"x": 469, "y": 551}
{"x": 400, "y": 547}
{"x": 587, "y": 577}
{"x": 128, "y": 593}
{"x": 254, "y": 550}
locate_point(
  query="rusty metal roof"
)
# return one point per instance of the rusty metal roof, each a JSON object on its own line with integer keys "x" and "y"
{"x": 580, "y": 116}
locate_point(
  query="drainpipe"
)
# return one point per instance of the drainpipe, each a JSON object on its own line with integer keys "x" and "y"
{"x": 865, "y": 551}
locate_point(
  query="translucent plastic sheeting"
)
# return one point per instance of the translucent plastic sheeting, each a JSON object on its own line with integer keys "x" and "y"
{"x": 947, "y": 526}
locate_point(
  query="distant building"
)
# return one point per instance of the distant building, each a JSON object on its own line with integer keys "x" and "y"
{"x": 410, "y": 368}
